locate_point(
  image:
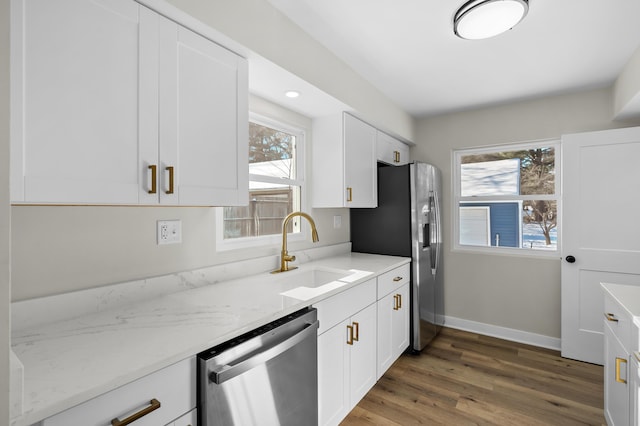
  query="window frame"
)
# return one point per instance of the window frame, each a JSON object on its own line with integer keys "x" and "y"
{"x": 301, "y": 232}
{"x": 457, "y": 198}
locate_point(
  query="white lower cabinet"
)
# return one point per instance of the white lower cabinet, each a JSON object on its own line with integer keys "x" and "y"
{"x": 393, "y": 327}
{"x": 346, "y": 369}
{"x": 634, "y": 374}
{"x": 621, "y": 376}
{"x": 346, "y": 351}
{"x": 162, "y": 397}
{"x": 616, "y": 387}
{"x": 394, "y": 306}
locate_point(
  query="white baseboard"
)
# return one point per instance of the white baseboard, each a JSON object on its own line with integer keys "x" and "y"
{"x": 503, "y": 333}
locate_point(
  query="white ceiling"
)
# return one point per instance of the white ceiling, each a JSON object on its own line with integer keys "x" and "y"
{"x": 407, "y": 49}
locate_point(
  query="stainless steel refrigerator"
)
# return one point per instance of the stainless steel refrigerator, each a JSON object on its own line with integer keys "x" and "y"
{"x": 407, "y": 223}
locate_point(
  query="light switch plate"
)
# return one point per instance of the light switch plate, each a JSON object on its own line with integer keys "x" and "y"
{"x": 169, "y": 232}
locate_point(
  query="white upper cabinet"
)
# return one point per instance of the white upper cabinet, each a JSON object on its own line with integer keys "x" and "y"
{"x": 203, "y": 120}
{"x": 103, "y": 99}
{"x": 344, "y": 162}
{"x": 391, "y": 150}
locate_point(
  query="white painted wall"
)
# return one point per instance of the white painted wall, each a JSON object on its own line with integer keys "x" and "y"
{"x": 522, "y": 293}
{"x": 5, "y": 221}
{"x": 626, "y": 90}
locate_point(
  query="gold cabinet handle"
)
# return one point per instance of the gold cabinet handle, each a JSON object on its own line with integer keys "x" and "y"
{"x": 611, "y": 317}
{"x": 396, "y": 156}
{"x": 154, "y": 405}
{"x": 618, "y": 362}
{"x": 395, "y": 302}
{"x": 170, "y": 170}
{"x": 399, "y": 301}
{"x": 350, "y": 335}
{"x": 349, "y": 194}
{"x": 154, "y": 175}
{"x": 356, "y": 327}
{"x": 396, "y": 279}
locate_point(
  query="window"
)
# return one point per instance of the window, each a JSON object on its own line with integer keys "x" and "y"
{"x": 275, "y": 186}
{"x": 506, "y": 198}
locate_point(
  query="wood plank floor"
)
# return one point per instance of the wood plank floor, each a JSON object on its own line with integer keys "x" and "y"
{"x": 468, "y": 379}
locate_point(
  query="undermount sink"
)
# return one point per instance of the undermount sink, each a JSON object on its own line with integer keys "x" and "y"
{"x": 304, "y": 284}
{"x": 312, "y": 278}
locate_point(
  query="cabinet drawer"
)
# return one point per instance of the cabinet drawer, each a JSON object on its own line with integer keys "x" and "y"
{"x": 173, "y": 387}
{"x": 337, "y": 308}
{"x": 619, "y": 320}
{"x": 393, "y": 279}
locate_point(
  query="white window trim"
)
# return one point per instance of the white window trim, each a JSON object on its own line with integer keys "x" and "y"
{"x": 275, "y": 239}
{"x": 457, "y": 199}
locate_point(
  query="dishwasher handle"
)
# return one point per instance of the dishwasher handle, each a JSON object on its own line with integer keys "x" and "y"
{"x": 228, "y": 371}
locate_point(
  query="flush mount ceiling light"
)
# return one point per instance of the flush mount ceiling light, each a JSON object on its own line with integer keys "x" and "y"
{"x": 478, "y": 19}
{"x": 292, "y": 93}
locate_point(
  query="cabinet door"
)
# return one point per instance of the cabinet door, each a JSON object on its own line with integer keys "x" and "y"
{"x": 393, "y": 327}
{"x": 75, "y": 92}
{"x": 400, "y": 327}
{"x": 634, "y": 374}
{"x": 362, "y": 354}
{"x": 333, "y": 375}
{"x": 360, "y": 163}
{"x": 385, "y": 333}
{"x": 203, "y": 120}
{"x": 391, "y": 151}
{"x": 616, "y": 376}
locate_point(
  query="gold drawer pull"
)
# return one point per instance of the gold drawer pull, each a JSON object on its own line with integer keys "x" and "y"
{"x": 396, "y": 279}
{"x": 154, "y": 172}
{"x": 618, "y": 362}
{"x": 356, "y": 326}
{"x": 155, "y": 404}
{"x": 170, "y": 170}
{"x": 611, "y": 317}
{"x": 396, "y": 304}
{"x": 396, "y": 156}
{"x": 350, "y": 336}
{"x": 349, "y": 194}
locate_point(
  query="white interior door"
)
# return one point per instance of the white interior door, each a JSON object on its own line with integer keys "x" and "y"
{"x": 601, "y": 231}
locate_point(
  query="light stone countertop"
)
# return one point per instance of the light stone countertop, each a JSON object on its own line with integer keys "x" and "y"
{"x": 628, "y": 296}
{"x": 70, "y": 361}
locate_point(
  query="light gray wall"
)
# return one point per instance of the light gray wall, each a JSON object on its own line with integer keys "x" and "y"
{"x": 626, "y": 89}
{"x": 5, "y": 221}
{"x": 522, "y": 293}
{"x": 59, "y": 249}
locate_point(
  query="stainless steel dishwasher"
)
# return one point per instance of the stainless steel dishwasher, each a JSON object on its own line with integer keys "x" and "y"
{"x": 266, "y": 377}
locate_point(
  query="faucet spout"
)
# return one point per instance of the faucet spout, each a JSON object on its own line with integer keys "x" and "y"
{"x": 285, "y": 257}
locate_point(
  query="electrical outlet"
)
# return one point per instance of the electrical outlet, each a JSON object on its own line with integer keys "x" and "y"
{"x": 169, "y": 232}
{"x": 337, "y": 221}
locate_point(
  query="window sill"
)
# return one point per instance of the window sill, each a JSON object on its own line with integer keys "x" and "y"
{"x": 494, "y": 251}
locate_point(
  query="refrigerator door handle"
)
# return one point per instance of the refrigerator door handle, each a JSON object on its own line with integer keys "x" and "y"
{"x": 434, "y": 238}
